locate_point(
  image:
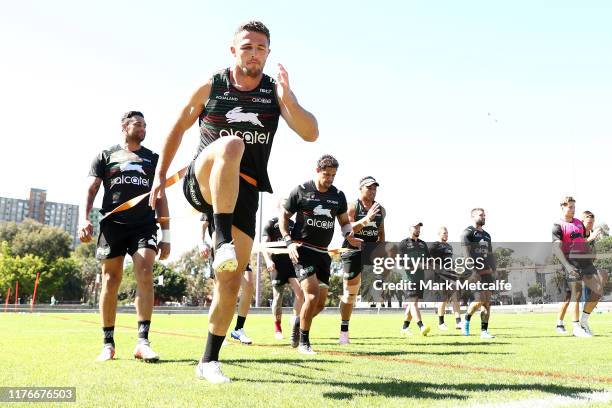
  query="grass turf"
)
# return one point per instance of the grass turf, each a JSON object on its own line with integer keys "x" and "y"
{"x": 527, "y": 360}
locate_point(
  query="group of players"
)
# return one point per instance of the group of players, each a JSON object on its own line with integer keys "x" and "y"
{"x": 238, "y": 111}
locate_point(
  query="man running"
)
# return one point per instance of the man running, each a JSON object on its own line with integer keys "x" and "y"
{"x": 367, "y": 219}
{"x": 476, "y": 244}
{"x": 126, "y": 170}
{"x": 282, "y": 272}
{"x": 418, "y": 252}
{"x": 238, "y": 111}
{"x": 317, "y": 203}
{"x": 441, "y": 251}
{"x": 575, "y": 255}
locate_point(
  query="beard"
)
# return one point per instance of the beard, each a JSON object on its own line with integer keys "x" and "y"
{"x": 480, "y": 223}
{"x": 251, "y": 72}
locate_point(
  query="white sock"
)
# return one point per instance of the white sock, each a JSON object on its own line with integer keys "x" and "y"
{"x": 576, "y": 324}
{"x": 559, "y": 322}
{"x": 585, "y": 317}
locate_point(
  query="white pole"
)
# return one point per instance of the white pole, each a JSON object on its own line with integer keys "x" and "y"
{"x": 258, "y": 271}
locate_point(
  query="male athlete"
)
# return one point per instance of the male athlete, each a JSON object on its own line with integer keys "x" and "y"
{"x": 317, "y": 204}
{"x": 418, "y": 252}
{"x": 442, "y": 251}
{"x": 574, "y": 253}
{"x": 238, "y": 111}
{"x": 126, "y": 170}
{"x": 477, "y": 245}
{"x": 282, "y": 273}
{"x": 367, "y": 219}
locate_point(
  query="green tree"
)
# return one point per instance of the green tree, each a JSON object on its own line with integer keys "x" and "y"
{"x": 534, "y": 292}
{"x": 32, "y": 237}
{"x": 175, "y": 284}
{"x": 89, "y": 266}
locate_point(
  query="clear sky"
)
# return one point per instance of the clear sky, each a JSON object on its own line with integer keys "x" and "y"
{"x": 450, "y": 105}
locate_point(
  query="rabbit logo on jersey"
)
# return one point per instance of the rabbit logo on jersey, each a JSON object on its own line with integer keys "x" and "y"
{"x": 236, "y": 115}
{"x": 127, "y": 162}
{"x": 325, "y": 224}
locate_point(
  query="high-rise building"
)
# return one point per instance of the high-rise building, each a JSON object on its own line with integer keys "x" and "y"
{"x": 61, "y": 215}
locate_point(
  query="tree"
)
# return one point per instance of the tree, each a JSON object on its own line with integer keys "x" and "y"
{"x": 89, "y": 266}
{"x": 534, "y": 292}
{"x": 196, "y": 271}
{"x": 175, "y": 284}
{"x": 32, "y": 237}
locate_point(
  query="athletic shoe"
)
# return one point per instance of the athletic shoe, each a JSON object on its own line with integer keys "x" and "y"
{"x": 144, "y": 352}
{"x": 241, "y": 336}
{"x": 579, "y": 331}
{"x": 443, "y": 327}
{"x": 211, "y": 372}
{"x": 466, "y": 328}
{"x": 225, "y": 258}
{"x": 405, "y": 332}
{"x": 587, "y": 329}
{"x": 278, "y": 335}
{"x": 459, "y": 326}
{"x": 226, "y": 343}
{"x": 108, "y": 353}
{"x": 344, "y": 338}
{"x": 486, "y": 335}
{"x": 305, "y": 349}
{"x": 425, "y": 330}
{"x": 295, "y": 336}
{"x": 561, "y": 329}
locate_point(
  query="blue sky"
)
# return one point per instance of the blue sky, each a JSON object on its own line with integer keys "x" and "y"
{"x": 451, "y": 105}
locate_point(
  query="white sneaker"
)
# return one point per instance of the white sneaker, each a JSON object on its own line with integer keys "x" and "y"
{"x": 443, "y": 327}
{"x": 587, "y": 329}
{"x": 405, "y": 332}
{"x": 486, "y": 335}
{"x": 561, "y": 330}
{"x": 305, "y": 349}
{"x": 278, "y": 335}
{"x": 241, "y": 336}
{"x": 144, "y": 352}
{"x": 211, "y": 372}
{"x": 225, "y": 258}
{"x": 107, "y": 353}
{"x": 578, "y": 331}
{"x": 425, "y": 330}
{"x": 344, "y": 338}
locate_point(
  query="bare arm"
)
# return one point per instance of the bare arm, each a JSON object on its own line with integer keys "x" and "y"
{"x": 267, "y": 257}
{"x": 343, "y": 219}
{"x": 164, "y": 213}
{"x": 86, "y": 230}
{"x": 381, "y": 229}
{"x": 299, "y": 119}
{"x": 186, "y": 119}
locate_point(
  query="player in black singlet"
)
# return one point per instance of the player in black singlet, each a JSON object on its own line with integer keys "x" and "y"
{"x": 317, "y": 204}
{"x": 238, "y": 111}
{"x": 367, "y": 219}
{"x": 126, "y": 171}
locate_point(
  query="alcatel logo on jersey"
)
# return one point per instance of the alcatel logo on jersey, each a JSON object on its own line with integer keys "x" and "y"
{"x": 254, "y": 137}
{"x": 266, "y": 91}
{"x": 319, "y": 210}
{"x": 320, "y": 224}
{"x": 237, "y": 115}
{"x": 226, "y": 97}
{"x": 135, "y": 180}
{"x": 367, "y": 233}
{"x": 332, "y": 202}
{"x": 261, "y": 100}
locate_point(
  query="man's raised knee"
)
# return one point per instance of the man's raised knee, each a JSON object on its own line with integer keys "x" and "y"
{"x": 231, "y": 148}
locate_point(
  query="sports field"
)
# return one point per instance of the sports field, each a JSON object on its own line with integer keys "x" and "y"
{"x": 528, "y": 364}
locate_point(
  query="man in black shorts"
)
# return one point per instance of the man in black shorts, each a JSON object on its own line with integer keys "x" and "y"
{"x": 317, "y": 204}
{"x": 416, "y": 249}
{"x": 367, "y": 219}
{"x": 442, "y": 254}
{"x": 476, "y": 243}
{"x": 282, "y": 272}
{"x": 238, "y": 111}
{"x": 126, "y": 171}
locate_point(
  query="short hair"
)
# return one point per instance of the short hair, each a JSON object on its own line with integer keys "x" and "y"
{"x": 254, "y": 27}
{"x": 565, "y": 201}
{"x": 129, "y": 115}
{"x": 475, "y": 210}
{"x": 327, "y": 161}
{"x": 588, "y": 214}
{"x": 442, "y": 228}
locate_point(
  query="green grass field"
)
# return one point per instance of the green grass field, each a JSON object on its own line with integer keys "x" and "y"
{"x": 527, "y": 362}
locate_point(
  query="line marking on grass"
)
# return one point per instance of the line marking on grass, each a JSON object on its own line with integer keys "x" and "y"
{"x": 434, "y": 364}
{"x": 580, "y": 399}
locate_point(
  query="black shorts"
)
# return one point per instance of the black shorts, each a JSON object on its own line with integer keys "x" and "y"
{"x": 118, "y": 239}
{"x": 352, "y": 265}
{"x": 584, "y": 268}
{"x": 449, "y": 280}
{"x": 313, "y": 262}
{"x": 245, "y": 212}
{"x": 284, "y": 270}
{"x": 417, "y": 292}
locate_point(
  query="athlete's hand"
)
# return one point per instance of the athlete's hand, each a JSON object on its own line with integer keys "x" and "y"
{"x": 204, "y": 249}
{"x": 574, "y": 273}
{"x": 356, "y": 242}
{"x": 271, "y": 267}
{"x": 164, "y": 250}
{"x": 293, "y": 252}
{"x": 86, "y": 232}
{"x": 282, "y": 83}
{"x": 158, "y": 190}
{"x": 375, "y": 209}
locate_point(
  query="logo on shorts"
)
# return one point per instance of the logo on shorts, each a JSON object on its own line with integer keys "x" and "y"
{"x": 192, "y": 193}
{"x": 237, "y": 115}
{"x": 103, "y": 251}
{"x": 319, "y": 210}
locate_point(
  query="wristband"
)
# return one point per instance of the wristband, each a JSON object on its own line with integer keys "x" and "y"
{"x": 346, "y": 229}
{"x": 288, "y": 240}
{"x": 165, "y": 236}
